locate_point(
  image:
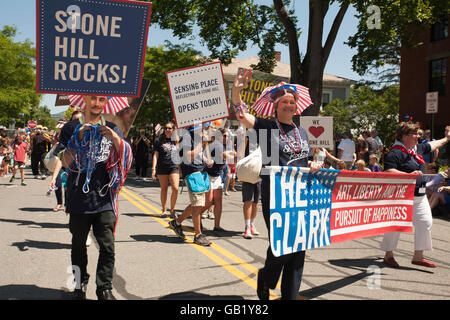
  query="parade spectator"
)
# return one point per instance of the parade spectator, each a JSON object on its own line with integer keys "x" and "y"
{"x": 374, "y": 134}
{"x": 5, "y": 155}
{"x": 39, "y": 148}
{"x": 434, "y": 179}
{"x": 362, "y": 147}
{"x": 193, "y": 161}
{"x": 97, "y": 206}
{"x": 334, "y": 162}
{"x": 432, "y": 157}
{"x": 141, "y": 155}
{"x": 346, "y": 151}
{"x": 319, "y": 155}
{"x": 373, "y": 163}
{"x": 372, "y": 146}
{"x": 293, "y": 150}
{"x": 165, "y": 165}
{"x": 361, "y": 165}
{"x": 441, "y": 197}
{"x": 405, "y": 156}
{"x": 20, "y": 151}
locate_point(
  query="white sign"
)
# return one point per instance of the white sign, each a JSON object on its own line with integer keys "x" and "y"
{"x": 432, "y": 102}
{"x": 320, "y": 131}
{"x": 198, "y": 94}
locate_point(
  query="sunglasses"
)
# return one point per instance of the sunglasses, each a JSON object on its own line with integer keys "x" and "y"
{"x": 168, "y": 128}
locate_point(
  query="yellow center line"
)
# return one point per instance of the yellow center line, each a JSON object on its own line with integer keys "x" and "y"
{"x": 143, "y": 205}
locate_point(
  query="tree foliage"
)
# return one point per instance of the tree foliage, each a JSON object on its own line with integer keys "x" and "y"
{"x": 229, "y": 26}
{"x": 378, "y": 48}
{"x": 18, "y": 98}
{"x": 366, "y": 109}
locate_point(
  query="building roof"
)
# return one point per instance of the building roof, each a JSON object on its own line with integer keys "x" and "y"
{"x": 282, "y": 70}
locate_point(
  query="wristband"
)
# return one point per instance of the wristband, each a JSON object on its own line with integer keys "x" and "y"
{"x": 241, "y": 107}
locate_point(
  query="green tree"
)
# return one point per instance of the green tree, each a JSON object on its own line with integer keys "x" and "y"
{"x": 366, "y": 109}
{"x": 229, "y": 26}
{"x": 378, "y": 46}
{"x": 17, "y": 77}
{"x": 157, "y": 107}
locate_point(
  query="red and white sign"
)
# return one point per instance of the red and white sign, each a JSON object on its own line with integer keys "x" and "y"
{"x": 32, "y": 124}
{"x": 198, "y": 94}
{"x": 320, "y": 131}
{"x": 432, "y": 102}
{"x": 365, "y": 204}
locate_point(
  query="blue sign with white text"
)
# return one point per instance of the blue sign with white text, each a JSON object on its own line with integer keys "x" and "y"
{"x": 300, "y": 209}
{"x": 91, "y": 46}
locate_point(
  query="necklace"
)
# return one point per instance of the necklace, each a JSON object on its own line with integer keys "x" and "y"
{"x": 297, "y": 139}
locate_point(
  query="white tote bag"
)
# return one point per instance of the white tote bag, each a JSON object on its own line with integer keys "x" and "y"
{"x": 50, "y": 159}
{"x": 249, "y": 168}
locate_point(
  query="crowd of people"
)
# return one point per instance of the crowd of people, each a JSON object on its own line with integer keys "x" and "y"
{"x": 25, "y": 144}
{"x": 204, "y": 162}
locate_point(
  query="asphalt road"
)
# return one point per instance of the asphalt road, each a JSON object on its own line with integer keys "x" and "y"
{"x": 152, "y": 263}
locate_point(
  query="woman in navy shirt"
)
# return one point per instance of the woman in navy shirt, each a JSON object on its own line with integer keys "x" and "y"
{"x": 405, "y": 156}
{"x": 292, "y": 149}
{"x": 166, "y": 167}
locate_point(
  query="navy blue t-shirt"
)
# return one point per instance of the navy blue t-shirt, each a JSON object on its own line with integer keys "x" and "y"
{"x": 188, "y": 143}
{"x": 286, "y": 156}
{"x": 92, "y": 202}
{"x": 397, "y": 159}
{"x": 167, "y": 155}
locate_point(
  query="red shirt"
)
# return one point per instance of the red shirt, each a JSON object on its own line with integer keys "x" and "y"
{"x": 20, "y": 152}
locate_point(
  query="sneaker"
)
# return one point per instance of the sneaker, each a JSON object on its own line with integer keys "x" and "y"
{"x": 36, "y": 177}
{"x": 12, "y": 179}
{"x": 247, "y": 233}
{"x": 177, "y": 228}
{"x": 211, "y": 215}
{"x": 202, "y": 240}
{"x": 43, "y": 177}
{"x": 164, "y": 214}
{"x": 88, "y": 241}
{"x": 205, "y": 215}
{"x": 254, "y": 231}
{"x": 23, "y": 183}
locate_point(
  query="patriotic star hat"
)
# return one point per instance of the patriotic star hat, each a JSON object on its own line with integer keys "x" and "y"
{"x": 265, "y": 106}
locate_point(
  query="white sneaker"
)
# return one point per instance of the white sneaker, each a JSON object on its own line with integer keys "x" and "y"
{"x": 205, "y": 215}
{"x": 88, "y": 241}
{"x": 247, "y": 233}
{"x": 254, "y": 231}
{"x": 211, "y": 215}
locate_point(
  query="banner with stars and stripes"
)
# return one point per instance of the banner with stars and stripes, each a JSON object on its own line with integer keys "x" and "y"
{"x": 329, "y": 206}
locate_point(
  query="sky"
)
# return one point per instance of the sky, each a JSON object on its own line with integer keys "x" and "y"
{"x": 22, "y": 14}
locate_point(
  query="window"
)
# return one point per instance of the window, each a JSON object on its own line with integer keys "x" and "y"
{"x": 326, "y": 97}
{"x": 439, "y": 30}
{"x": 438, "y": 75}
